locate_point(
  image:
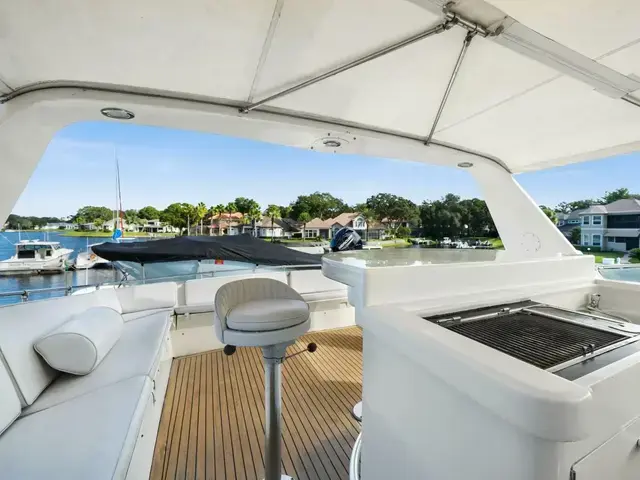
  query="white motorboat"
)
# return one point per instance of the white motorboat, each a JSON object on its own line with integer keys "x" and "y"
{"x": 88, "y": 259}
{"x": 34, "y": 257}
{"x": 479, "y": 364}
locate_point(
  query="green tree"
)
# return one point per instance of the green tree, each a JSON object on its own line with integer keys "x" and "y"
{"x": 273, "y": 212}
{"x": 403, "y": 232}
{"x": 441, "y": 218}
{"x": 619, "y": 194}
{"x": 254, "y": 215}
{"x": 322, "y": 205}
{"x": 550, "y": 213}
{"x": 576, "y": 233}
{"x": 177, "y": 215}
{"x": 200, "y": 212}
{"x": 250, "y": 210}
{"x": 245, "y": 205}
{"x": 568, "y": 207}
{"x": 79, "y": 220}
{"x": 304, "y": 218}
{"x": 91, "y": 213}
{"x": 392, "y": 210}
{"x": 98, "y": 222}
{"x": 230, "y": 209}
{"x": 149, "y": 213}
{"x": 216, "y": 213}
{"x": 368, "y": 214}
{"x": 474, "y": 213}
{"x": 286, "y": 211}
{"x": 131, "y": 216}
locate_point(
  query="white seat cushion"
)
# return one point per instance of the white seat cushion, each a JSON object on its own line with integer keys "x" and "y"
{"x": 138, "y": 352}
{"x": 267, "y": 315}
{"x": 127, "y": 317}
{"x": 21, "y": 325}
{"x": 9, "y": 401}
{"x": 325, "y": 296}
{"x": 147, "y": 297}
{"x": 311, "y": 281}
{"x": 89, "y": 437}
{"x": 79, "y": 345}
{"x": 197, "y": 308}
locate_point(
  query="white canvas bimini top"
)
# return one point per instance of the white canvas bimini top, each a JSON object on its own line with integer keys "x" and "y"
{"x": 552, "y": 83}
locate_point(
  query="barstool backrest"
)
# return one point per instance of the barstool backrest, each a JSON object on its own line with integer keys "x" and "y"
{"x": 235, "y": 293}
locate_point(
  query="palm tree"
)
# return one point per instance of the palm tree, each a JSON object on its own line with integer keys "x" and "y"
{"x": 254, "y": 214}
{"x": 273, "y": 212}
{"x": 200, "y": 212}
{"x": 304, "y": 218}
{"x": 230, "y": 209}
{"x": 217, "y": 211}
{"x": 369, "y": 216}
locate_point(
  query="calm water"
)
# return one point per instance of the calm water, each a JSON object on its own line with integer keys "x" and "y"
{"x": 19, "y": 283}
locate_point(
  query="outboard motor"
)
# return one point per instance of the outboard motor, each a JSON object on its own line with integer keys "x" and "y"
{"x": 346, "y": 239}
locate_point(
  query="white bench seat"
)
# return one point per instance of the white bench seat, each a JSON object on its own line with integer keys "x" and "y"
{"x": 98, "y": 426}
{"x": 137, "y": 353}
{"x": 90, "y": 437}
{"x": 325, "y": 296}
{"x": 196, "y": 308}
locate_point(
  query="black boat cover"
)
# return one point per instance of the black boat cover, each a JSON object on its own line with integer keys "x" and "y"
{"x": 237, "y": 248}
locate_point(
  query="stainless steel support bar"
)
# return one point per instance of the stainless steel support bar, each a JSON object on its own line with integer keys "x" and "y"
{"x": 454, "y": 74}
{"x": 348, "y": 66}
{"x": 632, "y": 100}
{"x": 472, "y": 27}
{"x": 273, "y": 427}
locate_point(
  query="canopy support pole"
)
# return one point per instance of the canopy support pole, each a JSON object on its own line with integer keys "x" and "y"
{"x": 450, "y": 19}
{"x": 441, "y": 27}
{"x": 454, "y": 74}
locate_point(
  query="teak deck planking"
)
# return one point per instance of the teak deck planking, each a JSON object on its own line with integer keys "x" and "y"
{"x": 212, "y": 424}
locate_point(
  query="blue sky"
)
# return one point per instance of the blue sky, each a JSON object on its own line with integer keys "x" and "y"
{"x": 162, "y": 166}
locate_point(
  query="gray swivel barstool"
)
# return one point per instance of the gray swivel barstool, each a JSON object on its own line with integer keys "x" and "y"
{"x": 261, "y": 312}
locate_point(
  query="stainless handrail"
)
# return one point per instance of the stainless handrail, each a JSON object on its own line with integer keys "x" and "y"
{"x": 68, "y": 290}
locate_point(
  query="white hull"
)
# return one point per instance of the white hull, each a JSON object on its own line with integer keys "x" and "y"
{"x": 85, "y": 261}
{"x": 14, "y": 266}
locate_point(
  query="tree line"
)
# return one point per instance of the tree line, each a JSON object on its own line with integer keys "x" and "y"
{"x": 449, "y": 216}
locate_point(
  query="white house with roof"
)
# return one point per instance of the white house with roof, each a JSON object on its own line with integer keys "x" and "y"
{"x": 615, "y": 226}
{"x": 327, "y": 228}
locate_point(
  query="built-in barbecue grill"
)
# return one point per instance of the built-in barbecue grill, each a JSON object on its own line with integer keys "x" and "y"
{"x": 546, "y": 338}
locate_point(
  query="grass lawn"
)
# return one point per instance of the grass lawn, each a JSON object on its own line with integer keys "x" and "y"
{"x": 496, "y": 243}
{"x": 396, "y": 243}
{"x": 74, "y": 233}
{"x": 600, "y": 255}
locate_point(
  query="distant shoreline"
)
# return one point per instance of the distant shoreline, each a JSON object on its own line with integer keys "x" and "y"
{"x": 75, "y": 233}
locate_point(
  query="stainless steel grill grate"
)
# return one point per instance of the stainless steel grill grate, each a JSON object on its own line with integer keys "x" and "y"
{"x": 537, "y": 340}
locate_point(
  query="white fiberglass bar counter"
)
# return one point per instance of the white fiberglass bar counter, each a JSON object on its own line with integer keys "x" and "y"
{"x": 438, "y": 405}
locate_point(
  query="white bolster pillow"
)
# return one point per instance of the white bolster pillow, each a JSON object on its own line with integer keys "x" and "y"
{"x": 79, "y": 345}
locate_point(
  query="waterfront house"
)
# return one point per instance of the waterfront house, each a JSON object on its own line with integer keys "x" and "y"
{"x": 87, "y": 227}
{"x": 59, "y": 226}
{"x": 615, "y": 226}
{"x": 156, "y": 226}
{"x": 326, "y": 229}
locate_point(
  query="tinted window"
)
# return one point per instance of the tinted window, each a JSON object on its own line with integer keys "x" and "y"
{"x": 623, "y": 221}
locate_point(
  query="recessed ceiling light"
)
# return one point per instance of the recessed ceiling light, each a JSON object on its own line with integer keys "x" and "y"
{"x": 332, "y": 143}
{"x": 465, "y": 164}
{"x": 117, "y": 113}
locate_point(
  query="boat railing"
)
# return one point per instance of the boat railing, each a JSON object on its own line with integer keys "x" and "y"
{"x": 68, "y": 289}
